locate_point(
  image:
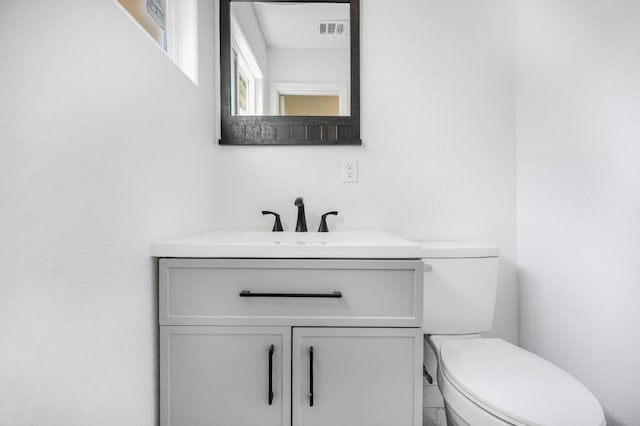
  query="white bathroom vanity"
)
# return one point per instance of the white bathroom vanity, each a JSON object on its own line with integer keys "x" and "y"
{"x": 302, "y": 329}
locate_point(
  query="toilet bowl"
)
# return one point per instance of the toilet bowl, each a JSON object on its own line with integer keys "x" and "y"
{"x": 488, "y": 381}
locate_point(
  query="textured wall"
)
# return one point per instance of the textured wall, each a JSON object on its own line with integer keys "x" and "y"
{"x": 105, "y": 146}
{"x": 579, "y": 193}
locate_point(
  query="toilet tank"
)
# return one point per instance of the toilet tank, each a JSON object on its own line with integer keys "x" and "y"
{"x": 460, "y": 288}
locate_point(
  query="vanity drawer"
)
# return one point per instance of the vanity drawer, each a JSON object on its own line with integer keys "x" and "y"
{"x": 293, "y": 292}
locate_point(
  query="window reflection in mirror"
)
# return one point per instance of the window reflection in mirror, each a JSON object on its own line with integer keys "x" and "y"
{"x": 290, "y": 59}
{"x": 173, "y": 25}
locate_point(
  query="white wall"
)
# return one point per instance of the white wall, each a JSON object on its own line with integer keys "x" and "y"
{"x": 300, "y": 65}
{"x": 438, "y": 157}
{"x": 249, "y": 27}
{"x": 579, "y": 193}
{"x": 309, "y": 65}
{"x": 248, "y": 22}
{"x": 105, "y": 146}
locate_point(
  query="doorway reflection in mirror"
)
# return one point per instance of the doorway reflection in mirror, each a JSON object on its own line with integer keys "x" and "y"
{"x": 290, "y": 59}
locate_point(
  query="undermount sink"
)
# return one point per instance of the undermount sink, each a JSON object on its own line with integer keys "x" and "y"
{"x": 257, "y": 244}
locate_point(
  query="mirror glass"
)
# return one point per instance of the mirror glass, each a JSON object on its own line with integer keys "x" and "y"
{"x": 289, "y": 59}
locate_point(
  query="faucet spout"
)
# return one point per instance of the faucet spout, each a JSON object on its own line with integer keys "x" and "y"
{"x": 301, "y": 225}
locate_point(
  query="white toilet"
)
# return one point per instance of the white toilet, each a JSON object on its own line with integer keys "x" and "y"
{"x": 487, "y": 381}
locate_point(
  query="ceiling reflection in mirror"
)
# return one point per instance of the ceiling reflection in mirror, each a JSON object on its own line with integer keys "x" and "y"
{"x": 290, "y": 59}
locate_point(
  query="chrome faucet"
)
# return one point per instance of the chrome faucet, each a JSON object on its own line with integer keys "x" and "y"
{"x": 301, "y": 225}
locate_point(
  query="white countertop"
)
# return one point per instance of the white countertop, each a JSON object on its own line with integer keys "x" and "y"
{"x": 262, "y": 244}
{"x": 457, "y": 249}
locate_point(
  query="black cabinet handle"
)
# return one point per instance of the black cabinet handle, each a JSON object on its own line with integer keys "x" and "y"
{"x": 311, "y": 376}
{"x": 271, "y": 350}
{"x": 332, "y": 295}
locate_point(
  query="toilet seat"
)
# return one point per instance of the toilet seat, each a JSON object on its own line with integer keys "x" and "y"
{"x": 517, "y": 386}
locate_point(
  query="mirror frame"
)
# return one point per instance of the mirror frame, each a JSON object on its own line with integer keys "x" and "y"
{"x": 289, "y": 130}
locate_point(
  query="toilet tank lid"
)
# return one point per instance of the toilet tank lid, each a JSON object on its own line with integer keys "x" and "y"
{"x": 516, "y": 385}
{"x": 457, "y": 249}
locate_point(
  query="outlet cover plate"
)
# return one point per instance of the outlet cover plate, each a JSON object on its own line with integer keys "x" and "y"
{"x": 350, "y": 169}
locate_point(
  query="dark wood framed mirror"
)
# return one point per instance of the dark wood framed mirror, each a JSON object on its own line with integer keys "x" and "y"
{"x": 263, "y": 102}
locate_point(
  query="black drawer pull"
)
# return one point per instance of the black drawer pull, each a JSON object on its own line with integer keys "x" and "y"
{"x": 311, "y": 376}
{"x": 332, "y": 295}
{"x": 270, "y": 394}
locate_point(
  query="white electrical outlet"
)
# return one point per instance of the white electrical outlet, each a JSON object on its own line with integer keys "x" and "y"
{"x": 350, "y": 169}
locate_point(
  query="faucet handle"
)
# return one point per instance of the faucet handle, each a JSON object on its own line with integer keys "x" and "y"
{"x": 277, "y": 225}
{"x": 323, "y": 222}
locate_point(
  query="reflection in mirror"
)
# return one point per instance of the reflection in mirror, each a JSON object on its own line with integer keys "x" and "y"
{"x": 290, "y": 59}
{"x": 173, "y": 25}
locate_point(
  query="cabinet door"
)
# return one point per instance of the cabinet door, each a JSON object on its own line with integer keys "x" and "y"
{"x": 357, "y": 376}
{"x": 222, "y": 376}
